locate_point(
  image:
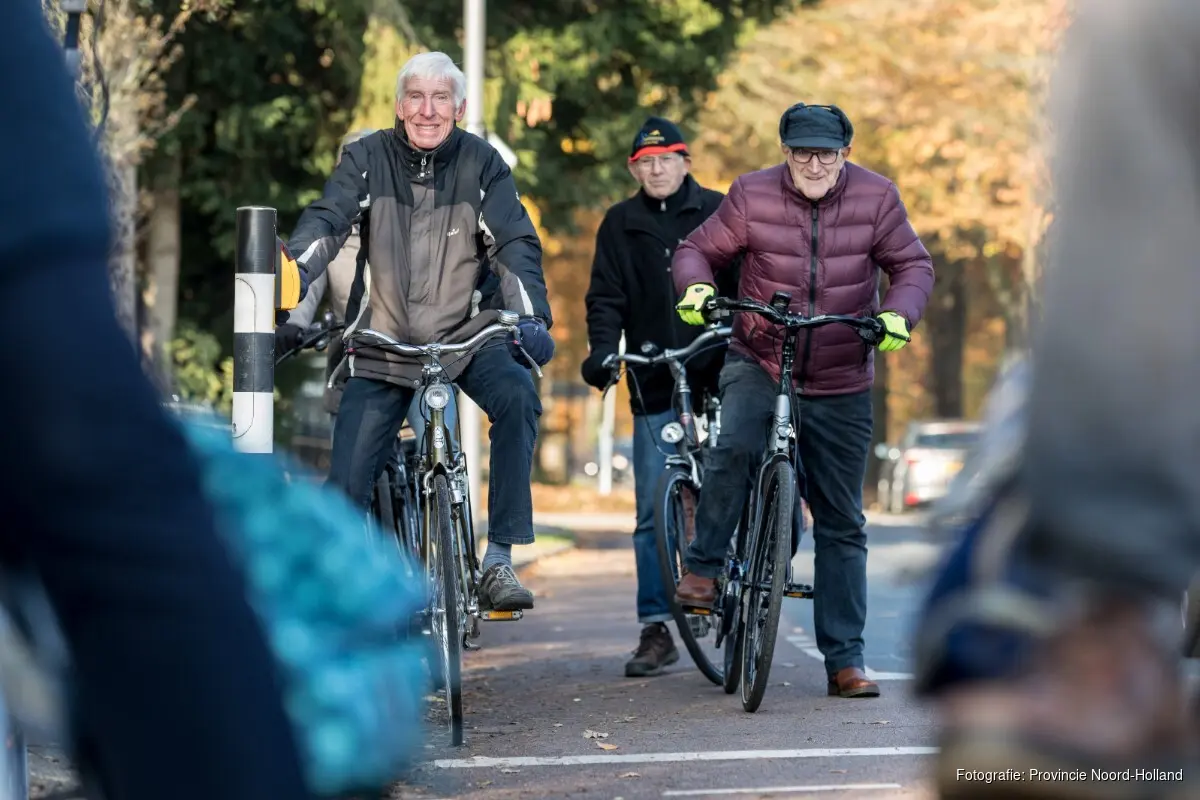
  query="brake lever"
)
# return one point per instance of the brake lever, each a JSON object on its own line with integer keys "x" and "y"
{"x": 533, "y": 364}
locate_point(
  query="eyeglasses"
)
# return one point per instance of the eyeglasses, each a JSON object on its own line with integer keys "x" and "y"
{"x": 803, "y": 155}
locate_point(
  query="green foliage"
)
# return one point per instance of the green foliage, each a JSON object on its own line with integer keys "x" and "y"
{"x": 572, "y": 83}
{"x": 200, "y": 374}
{"x": 275, "y": 83}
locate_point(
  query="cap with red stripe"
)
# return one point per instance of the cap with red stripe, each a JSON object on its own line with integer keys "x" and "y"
{"x": 656, "y": 137}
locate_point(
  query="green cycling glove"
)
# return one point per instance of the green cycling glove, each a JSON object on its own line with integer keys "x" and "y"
{"x": 896, "y": 335}
{"x": 691, "y": 304}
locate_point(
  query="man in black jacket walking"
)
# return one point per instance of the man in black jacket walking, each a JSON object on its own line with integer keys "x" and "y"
{"x": 631, "y": 291}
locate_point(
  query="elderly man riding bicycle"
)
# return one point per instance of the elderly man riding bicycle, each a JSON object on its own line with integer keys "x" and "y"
{"x": 819, "y": 228}
{"x": 442, "y": 207}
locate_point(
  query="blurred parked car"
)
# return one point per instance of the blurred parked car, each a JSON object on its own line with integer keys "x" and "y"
{"x": 918, "y": 470}
{"x": 622, "y": 463}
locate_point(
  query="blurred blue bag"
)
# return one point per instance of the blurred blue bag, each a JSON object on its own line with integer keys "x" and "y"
{"x": 987, "y": 604}
{"x": 334, "y": 598}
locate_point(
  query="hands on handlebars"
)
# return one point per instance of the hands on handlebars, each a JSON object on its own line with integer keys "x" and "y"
{"x": 291, "y": 339}
{"x": 872, "y": 330}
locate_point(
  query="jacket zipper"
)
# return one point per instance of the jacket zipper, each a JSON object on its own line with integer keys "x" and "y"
{"x": 812, "y": 300}
{"x": 672, "y": 330}
{"x": 423, "y": 160}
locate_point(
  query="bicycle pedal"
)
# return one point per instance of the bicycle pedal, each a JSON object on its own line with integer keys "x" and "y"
{"x": 699, "y": 611}
{"x": 801, "y": 591}
{"x": 500, "y": 616}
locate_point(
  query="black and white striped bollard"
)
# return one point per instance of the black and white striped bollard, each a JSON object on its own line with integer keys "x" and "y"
{"x": 254, "y": 304}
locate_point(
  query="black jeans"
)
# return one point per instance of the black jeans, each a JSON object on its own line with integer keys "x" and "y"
{"x": 372, "y": 411}
{"x": 835, "y": 437}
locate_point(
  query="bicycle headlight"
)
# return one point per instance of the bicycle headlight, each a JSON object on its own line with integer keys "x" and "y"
{"x": 672, "y": 433}
{"x": 437, "y": 396}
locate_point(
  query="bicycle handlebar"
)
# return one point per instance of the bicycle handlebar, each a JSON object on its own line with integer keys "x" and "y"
{"x": 372, "y": 338}
{"x": 678, "y": 354}
{"x": 312, "y": 335}
{"x": 871, "y": 329}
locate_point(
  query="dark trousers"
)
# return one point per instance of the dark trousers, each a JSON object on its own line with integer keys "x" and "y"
{"x": 372, "y": 412}
{"x": 835, "y": 437}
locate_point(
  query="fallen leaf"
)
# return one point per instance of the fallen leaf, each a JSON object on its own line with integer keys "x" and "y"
{"x": 482, "y": 784}
{"x": 590, "y": 734}
{"x": 605, "y": 746}
{"x": 508, "y": 771}
{"x": 629, "y": 775}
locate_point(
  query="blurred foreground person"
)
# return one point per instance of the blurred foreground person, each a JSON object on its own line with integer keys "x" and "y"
{"x": 1051, "y": 638}
{"x": 175, "y": 686}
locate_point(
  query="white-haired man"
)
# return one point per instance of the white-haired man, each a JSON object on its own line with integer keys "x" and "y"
{"x": 442, "y": 208}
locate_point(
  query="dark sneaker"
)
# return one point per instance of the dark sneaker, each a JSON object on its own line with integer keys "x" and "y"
{"x": 501, "y": 591}
{"x": 655, "y": 651}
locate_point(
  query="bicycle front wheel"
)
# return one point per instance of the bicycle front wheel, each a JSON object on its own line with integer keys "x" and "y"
{"x": 769, "y": 551}
{"x": 446, "y": 607}
{"x": 675, "y": 527}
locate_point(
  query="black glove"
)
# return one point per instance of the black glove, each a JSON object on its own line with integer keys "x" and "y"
{"x": 287, "y": 337}
{"x": 593, "y": 371}
{"x": 536, "y": 340}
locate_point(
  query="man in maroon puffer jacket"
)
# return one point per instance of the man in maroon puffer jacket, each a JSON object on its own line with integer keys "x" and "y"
{"x": 819, "y": 228}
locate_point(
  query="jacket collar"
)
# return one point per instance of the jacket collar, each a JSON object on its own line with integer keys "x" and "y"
{"x": 442, "y": 154}
{"x": 789, "y": 186}
{"x": 645, "y": 208}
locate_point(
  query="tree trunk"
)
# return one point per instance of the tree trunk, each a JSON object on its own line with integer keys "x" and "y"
{"x": 122, "y": 260}
{"x": 161, "y": 292}
{"x": 879, "y": 431}
{"x": 945, "y": 324}
{"x": 879, "y": 413}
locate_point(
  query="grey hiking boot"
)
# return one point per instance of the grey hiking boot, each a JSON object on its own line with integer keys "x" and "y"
{"x": 501, "y": 591}
{"x": 655, "y": 651}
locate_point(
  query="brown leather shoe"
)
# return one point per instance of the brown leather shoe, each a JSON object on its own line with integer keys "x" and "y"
{"x": 851, "y": 682}
{"x": 694, "y": 590}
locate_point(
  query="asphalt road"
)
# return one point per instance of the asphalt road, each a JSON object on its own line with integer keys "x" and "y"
{"x": 551, "y": 715}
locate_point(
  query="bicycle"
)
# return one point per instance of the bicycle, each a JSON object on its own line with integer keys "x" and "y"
{"x": 750, "y": 592}
{"x": 446, "y": 545}
{"x": 679, "y": 486}
{"x": 395, "y": 503}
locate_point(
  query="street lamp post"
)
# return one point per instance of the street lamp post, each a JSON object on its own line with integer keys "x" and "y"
{"x": 475, "y": 47}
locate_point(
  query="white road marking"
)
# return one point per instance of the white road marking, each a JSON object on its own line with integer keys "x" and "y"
{"x": 809, "y": 648}
{"x": 646, "y": 758}
{"x": 831, "y": 787}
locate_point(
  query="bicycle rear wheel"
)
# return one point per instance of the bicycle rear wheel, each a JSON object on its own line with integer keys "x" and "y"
{"x": 446, "y": 607}
{"x": 674, "y": 528}
{"x": 769, "y": 551}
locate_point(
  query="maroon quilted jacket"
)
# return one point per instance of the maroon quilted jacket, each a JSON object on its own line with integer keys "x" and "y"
{"x": 826, "y": 254}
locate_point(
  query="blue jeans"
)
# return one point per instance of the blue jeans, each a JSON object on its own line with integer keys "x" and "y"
{"x": 649, "y": 462}
{"x": 835, "y": 437}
